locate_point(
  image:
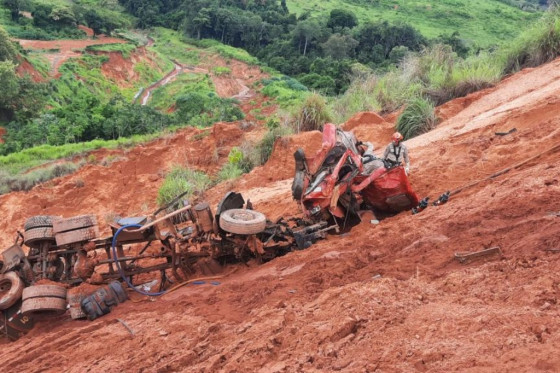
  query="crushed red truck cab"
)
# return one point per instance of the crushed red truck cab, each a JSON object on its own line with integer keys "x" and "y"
{"x": 338, "y": 181}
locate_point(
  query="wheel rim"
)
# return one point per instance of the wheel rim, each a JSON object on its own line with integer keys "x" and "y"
{"x": 5, "y": 287}
{"x": 242, "y": 215}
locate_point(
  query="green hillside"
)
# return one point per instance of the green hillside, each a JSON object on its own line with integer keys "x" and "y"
{"x": 363, "y": 55}
{"x": 482, "y": 22}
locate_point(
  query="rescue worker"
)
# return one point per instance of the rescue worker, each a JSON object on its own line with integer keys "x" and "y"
{"x": 369, "y": 159}
{"x": 396, "y": 151}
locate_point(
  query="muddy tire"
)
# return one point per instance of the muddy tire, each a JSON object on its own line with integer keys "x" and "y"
{"x": 36, "y": 236}
{"x": 45, "y": 306}
{"x": 39, "y": 221}
{"x": 11, "y": 289}
{"x": 242, "y": 221}
{"x": 74, "y": 223}
{"x": 41, "y": 291}
{"x": 44, "y": 299}
{"x": 76, "y": 236}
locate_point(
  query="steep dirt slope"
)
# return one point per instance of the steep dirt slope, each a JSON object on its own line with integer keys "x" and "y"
{"x": 387, "y": 297}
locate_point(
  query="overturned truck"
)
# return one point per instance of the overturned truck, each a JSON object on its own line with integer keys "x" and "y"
{"x": 54, "y": 255}
{"x": 191, "y": 240}
{"x": 339, "y": 181}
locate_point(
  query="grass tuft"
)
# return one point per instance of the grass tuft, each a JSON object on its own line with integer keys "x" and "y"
{"x": 25, "y": 182}
{"x": 179, "y": 180}
{"x": 418, "y": 117}
{"x": 311, "y": 115}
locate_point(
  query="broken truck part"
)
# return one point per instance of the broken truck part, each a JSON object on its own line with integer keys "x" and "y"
{"x": 190, "y": 240}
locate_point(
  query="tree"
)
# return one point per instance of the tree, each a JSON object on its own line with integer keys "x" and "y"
{"x": 458, "y": 45}
{"x": 9, "y": 84}
{"x": 339, "y": 46}
{"x": 63, "y": 16}
{"x": 202, "y": 20}
{"x": 8, "y": 51}
{"x": 342, "y": 18}
{"x": 14, "y": 6}
{"x": 284, "y": 6}
{"x": 306, "y": 32}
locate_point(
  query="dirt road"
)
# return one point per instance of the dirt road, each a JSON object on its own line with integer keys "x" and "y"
{"x": 387, "y": 297}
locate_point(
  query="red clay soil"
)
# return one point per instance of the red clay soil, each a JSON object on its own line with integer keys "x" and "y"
{"x": 2, "y": 133}
{"x": 387, "y": 297}
{"x": 65, "y": 48}
{"x": 25, "y": 68}
{"x": 89, "y": 31}
{"x": 121, "y": 70}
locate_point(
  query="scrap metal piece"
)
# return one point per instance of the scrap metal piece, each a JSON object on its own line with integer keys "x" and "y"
{"x": 11, "y": 258}
{"x": 126, "y": 326}
{"x": 465, "y": 257}
{"x": 505, "y": 133}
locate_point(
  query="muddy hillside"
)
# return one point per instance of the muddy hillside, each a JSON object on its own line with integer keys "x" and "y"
{"x": 389, "y": 297}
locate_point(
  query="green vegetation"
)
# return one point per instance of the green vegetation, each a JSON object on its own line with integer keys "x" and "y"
{"x": 536, "y": 45}
{"x": 418, "y": 117}
{"x": 179, "y": 180}
{"x": 219, "y": 70}
{"x": 360, "y": 96}
{"x": 195, "y": 102}
{"x": 330, "y": 47}
{"x": 124, "y": 49}
{"x": 266, "y": 146}
{"x": 225, "y": 50}
{"x": 58, "y": 19}
{"x": 311, "y": 114}
{"x": 239, "y": 162}
{"x": 438, "y": 74}
{"x": 172, "y": 45}
{"x": 13, "y": 183}
{"x": 21, "y": 161}
{"x": 285, "y": 90}
{"x": 319, "y": 42}
{"x": 481, "y": 22}
{"x": 39, "y": 62}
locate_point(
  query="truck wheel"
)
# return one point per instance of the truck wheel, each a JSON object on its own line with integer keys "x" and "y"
{"x": 45, "y": 306}
{"x": 40, "y": 291}
{"x": 76, "y": 236}
{"x": 39, "y": 221}
{"x": 44, "y": 299}
{"x": 74, "y": 223}
{"x": 11, "y": 288}
{"x": 36, "y": 236}
{"x": 242, "y": 221}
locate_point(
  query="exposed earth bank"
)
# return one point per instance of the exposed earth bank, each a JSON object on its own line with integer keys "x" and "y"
{"x": 387, "y": 297}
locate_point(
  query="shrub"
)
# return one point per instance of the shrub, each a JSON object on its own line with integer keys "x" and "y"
{"x": 311, "y": 115}
{"x": 265, "y": 147}
{"x": 359, "y": 97}
{"x": 24, "y": 182}
{"x": 240, "y": 161}
{"x": 180, "y": 180}
{"x": 229, "y": 171}
{"x": 535, "y": 46}
{"x": 418, "y": 117}
{"x": 219, "y": 71}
